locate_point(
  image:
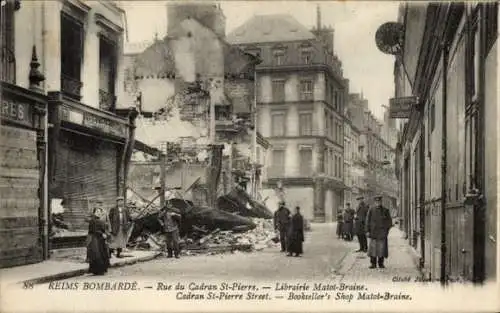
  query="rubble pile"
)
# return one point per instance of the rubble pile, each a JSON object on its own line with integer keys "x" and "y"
{"x": 202, "y": 241}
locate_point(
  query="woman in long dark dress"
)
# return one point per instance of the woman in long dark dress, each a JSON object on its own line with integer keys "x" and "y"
{"x": 296, "y": 234}
{"x": 97, "y": 248}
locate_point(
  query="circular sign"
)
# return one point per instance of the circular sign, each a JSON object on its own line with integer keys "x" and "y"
{"x": 390, "y": 38}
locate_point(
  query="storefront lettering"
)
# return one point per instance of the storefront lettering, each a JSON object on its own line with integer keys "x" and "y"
{"x": 93, "y": 121}
{"x": 104, "y": 125}
{"x": 15, "y": 111}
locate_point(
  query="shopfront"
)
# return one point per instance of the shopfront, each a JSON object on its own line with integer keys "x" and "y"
{"x": 22, "y": 165}
{"x": 88, "y": 157}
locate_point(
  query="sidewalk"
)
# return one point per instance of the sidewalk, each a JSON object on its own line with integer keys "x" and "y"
{"x": 402, "y": 262}
{"x": 56, "y": 269}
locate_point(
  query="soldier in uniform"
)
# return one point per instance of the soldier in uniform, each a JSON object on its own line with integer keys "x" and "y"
{"x": 359, "y": 224}
{"x": 378, "y": 224}
{"x": 170, "y": 219}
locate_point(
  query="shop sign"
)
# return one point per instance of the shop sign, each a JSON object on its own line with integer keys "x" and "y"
{"x": 16, "y": 111}
{"x": 401, "y": 107}
{"x": 93, "y": 121}
{"x": 105, "y": 125}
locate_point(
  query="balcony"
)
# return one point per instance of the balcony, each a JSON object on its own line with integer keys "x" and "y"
{"x": 107, "y": 101}
{"x": 71, "y": 87}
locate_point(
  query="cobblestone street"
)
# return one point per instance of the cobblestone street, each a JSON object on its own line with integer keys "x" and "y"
{"x": 325, "y": 258}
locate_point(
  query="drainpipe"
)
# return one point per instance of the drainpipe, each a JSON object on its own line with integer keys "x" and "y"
{"x": 444, "y": 195}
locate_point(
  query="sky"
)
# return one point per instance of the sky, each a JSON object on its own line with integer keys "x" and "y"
{"x": 355, "y": 23}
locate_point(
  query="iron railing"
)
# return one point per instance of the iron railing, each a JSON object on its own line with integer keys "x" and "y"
{"x": 71, "y": 87}
{"x": 107, "y": 101}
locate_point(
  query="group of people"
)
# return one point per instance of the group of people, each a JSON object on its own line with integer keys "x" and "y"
{"x": 291, "y": 230}
{"x": 107, "y": 234}
{"x": 366, "y": 222}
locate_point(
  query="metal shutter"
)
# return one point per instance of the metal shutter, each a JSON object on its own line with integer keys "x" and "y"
{"x": 86, "y": 169}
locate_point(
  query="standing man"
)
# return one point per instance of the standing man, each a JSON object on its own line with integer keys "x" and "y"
{"x": 120, "y": 220}
{"x": 281, "y": 223}
{"x": 170, "y": 219}
{"x": 378, "y": 224}
{"x": 359, "y": 224}
{"x": 349, "y": 221}
{"x": 296, "y": 234}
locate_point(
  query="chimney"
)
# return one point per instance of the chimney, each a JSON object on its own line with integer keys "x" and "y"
{"x": 318, "y": 17}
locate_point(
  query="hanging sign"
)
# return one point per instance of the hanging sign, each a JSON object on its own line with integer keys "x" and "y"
{"x": 401, "y": 107}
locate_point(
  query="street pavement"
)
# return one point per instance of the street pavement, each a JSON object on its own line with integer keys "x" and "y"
{"x": 325, "y": 257}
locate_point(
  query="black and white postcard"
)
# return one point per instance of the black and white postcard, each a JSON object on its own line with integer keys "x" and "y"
{"x": 256, "y": 156}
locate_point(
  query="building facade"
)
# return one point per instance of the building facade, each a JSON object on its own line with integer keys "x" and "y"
{"x": 74, "y": 48}
{"x": 170, "y": 83}
{"x": 355, "y": 164}
{"x": 447, "y": 149}
{"x": 300, "y": 98}
{"x": 371, "y": 154}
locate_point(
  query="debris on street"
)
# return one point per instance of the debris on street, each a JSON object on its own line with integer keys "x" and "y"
{"x": 205, "y": 230}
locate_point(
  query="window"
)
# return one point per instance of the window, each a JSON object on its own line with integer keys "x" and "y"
{"x": 71, "y": 55}
{"x": 7, "y": 53}
{"x": 335, "y": 166}
{"x": 332, "y": 127}
{"x": 305, "y": 156}
{"x": 474, "y": 62}
{"x": 432, "y": 116}
{"x": 107, "y": 73}
{"x": 306, "y": 90}
{"x": 491, "y": 17}
{"x": 278, "y": 124}
{"x": 305, "y": 124}
{"x": 332, "y": 164}
{"x": 306, "y": 56}
{"x": 327, "y": 123}
{"x": 278, "y": 90}
{"x": 335, "y": 100}
{"x": 279, "y": 57}
{"x": 278, "y": 163}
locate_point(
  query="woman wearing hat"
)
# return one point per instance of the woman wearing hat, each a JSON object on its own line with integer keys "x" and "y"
{"x": 97, "y": 248}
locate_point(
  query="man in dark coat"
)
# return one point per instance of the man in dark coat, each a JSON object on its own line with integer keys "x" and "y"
{"x": 170, "y": 219}
{"x": 340, "y": 224}
{"x": 349, "y": 221}
{"x": 120, "y": 220}
{"x": 296, "y": 234}
{"x": 281, "y": 224}
{"x": 378, "y": 224}
{"x": 359, "y": 224}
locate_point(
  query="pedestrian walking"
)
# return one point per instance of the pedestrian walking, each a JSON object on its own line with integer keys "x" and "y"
{"x": 97, "y": 247}
{"x": 281, "y": 224}
{"x": 348, "y": 222}
{"x": 296, "y": 234}
{"x": 120, "y": 220}
{"x": 170, "y": 219}
{"x": 340, "y": 224}
{"x": 359, "y": 224}
{"x": 378, "y": 224}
